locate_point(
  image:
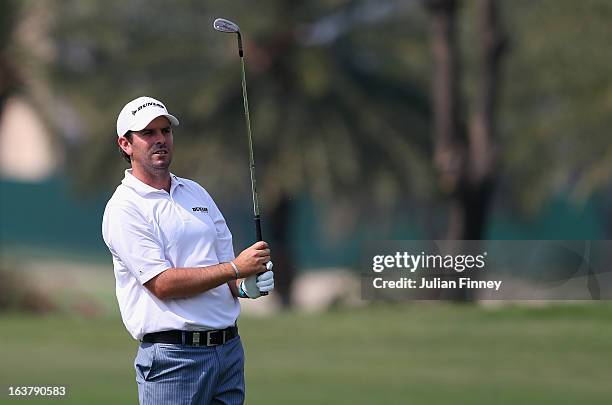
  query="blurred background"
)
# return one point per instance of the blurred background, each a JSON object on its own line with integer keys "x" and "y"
{"x": 372, "y": 120}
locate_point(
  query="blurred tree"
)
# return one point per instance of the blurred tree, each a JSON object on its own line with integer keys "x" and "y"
{"x": 335, "y": 115}
{"x": 555, "y": 114}
{"x": 465, "y": 159}
{"x": 9, "y": 81}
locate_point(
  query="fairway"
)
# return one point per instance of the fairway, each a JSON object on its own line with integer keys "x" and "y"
{"x": 399, "y": 354}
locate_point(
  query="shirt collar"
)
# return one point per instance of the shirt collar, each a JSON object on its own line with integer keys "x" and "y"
{"x": 175, "y": 181}
{"x": 142, "y": 188}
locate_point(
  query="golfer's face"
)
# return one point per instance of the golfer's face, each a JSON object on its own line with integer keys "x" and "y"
{"x": 152, "y": 147}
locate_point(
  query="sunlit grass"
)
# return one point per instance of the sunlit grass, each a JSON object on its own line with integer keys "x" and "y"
{"x": 418, "y": 354}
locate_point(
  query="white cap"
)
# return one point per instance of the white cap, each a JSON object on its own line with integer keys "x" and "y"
{"x": 138, "y": 113}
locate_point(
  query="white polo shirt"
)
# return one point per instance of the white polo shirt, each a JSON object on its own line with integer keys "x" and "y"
{"x": 148, "y": 231}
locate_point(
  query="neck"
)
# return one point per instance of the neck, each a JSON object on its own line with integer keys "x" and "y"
{"x": 159, "y": 179}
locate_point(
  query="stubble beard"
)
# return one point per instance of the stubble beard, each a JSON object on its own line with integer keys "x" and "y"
{"x": 157, "y": 169}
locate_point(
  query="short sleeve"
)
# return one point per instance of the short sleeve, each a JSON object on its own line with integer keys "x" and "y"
{"x": 223, "y": 243}
{"x": 133, "y": 241}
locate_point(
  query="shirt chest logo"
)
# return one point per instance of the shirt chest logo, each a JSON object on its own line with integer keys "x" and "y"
{"x": 199, "y": 209}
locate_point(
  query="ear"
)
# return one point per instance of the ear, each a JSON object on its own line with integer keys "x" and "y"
{"x": 125, "y": 145}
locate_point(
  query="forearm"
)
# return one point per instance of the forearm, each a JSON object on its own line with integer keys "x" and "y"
{"x": 187, "y": 282}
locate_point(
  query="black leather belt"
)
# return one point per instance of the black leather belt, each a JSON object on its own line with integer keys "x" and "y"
{"x": 192, "y": 338}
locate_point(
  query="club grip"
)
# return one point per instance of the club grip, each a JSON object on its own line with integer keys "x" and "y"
{"x": 257, "y": 220}
{"x": 258, "y": 228}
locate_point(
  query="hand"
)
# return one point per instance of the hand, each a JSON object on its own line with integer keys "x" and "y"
{"x": 253, "y": 259}
{"x": 254, "y": 285}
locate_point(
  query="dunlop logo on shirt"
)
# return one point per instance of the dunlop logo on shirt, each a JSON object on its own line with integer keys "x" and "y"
{"x": 201, "y": 209}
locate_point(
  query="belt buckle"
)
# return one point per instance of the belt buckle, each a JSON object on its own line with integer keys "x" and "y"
{"x": 196, "y": 339}
{"x": 209, "y": 335}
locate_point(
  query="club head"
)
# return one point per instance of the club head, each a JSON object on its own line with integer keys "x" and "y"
{"x": 223, "y": 25}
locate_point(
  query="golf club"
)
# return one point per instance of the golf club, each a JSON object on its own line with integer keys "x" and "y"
{"x": 227, "y": 26}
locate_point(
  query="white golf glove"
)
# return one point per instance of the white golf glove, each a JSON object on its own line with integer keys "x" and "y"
{"x": 254, "y": 285}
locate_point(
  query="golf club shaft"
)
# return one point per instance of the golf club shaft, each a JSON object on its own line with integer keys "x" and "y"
{"x": 247, "y": 117}
{"x": 251, "y": 156}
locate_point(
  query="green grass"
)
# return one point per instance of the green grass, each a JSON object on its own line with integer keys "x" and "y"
{"x": 417, "y": 354}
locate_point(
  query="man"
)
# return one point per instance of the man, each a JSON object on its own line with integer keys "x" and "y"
{"x": 177, "y": 280}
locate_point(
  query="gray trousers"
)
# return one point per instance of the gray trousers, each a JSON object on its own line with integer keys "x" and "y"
{"x": 180, "y": 375}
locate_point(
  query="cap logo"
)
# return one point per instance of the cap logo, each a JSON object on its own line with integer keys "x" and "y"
{"x": 146, "y": 105}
